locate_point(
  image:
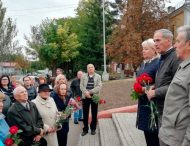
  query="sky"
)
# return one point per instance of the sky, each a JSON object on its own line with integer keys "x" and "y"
{"x": 28, "y": 13}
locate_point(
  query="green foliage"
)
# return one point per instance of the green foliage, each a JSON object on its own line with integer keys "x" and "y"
{"x": 134, "y": 95}
{"x": 56, "y": 44}
{"x": 8, "y": 32}
{"x": 89, "y": 30}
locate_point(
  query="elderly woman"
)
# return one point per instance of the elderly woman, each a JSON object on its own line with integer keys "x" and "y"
{"x": 61, "y": 97}
{"x": 149, "y": 66}
{"x": 4, "y": 128}
{"x": 47, "y": 109}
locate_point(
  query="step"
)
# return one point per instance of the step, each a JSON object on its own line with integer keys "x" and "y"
{"x": 128, "y": 133}
{"x": 108, "y": 133}
{"x": 89, "y": 140}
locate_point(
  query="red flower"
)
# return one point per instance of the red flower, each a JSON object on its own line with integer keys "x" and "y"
{"x": 78, "y": 98}
{"x": 149, "y": 80}
{"x": 138, "y": 88}
{"x": 101, "y": 101}
{"x": 13, "y": 130}
{"x": 9, "y": 141}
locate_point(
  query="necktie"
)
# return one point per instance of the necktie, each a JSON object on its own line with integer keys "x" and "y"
{"x": 27, "y": 106}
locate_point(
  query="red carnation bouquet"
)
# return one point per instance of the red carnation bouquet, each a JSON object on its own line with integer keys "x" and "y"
{"x": 140, "y": 87}
{"x": 13, "y": 137}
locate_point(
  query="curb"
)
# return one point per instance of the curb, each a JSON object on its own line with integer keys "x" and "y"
{"x": 108, "y": 113}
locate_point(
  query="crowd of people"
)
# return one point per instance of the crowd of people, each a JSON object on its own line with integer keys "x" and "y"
{"x": 35, "y": 109}
{"x": 168, "y": 65}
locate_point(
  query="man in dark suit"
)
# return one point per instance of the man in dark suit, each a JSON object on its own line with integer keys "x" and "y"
{"x": 26, "y": 117}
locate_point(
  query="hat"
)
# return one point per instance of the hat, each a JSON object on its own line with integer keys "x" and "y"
{"x": 2, "y": 96}
{"x": 44, "y": 87}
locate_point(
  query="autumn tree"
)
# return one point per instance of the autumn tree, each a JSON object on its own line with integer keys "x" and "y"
{"x": 54, "y": 42}
{"x": 141, "y": 18}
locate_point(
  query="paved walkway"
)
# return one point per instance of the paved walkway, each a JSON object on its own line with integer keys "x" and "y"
{"x": 74, "y": 133}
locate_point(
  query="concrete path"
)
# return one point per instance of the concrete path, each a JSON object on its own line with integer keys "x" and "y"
{"x": 74, "y": 133}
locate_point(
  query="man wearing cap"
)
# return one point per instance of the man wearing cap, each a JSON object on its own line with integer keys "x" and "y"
{"x": 24, "y": 114}
{"x": 47, "y": 109}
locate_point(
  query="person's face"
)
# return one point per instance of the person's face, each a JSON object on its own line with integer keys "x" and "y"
{"x": 79, "y": 74}
{"x": 27, "y": 81}
{"x": 58, "y": 72}
{"x": 161, "y": 44}
{"x": 182, "y": 46}
{"x": 4, "y": 81}
{"x": 22, "y": 95}
{"x": 41, "y": 81}
{"x": 44, "y": 94}
{"x": 1, "y": 105}
{"x": 62, "y": 79}
{"x": 148, "y": 52}
{"x": 90, "y": 69}
{"x": 63, "y": 90}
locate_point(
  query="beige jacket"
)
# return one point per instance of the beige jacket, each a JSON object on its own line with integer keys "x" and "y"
{"x": 97, "y": 84}
{"x": 47, "y": 109}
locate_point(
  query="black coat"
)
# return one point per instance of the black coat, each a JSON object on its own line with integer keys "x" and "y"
{"x": 143, "y": 113}
{"x": 28, "y": 121}
{"x": 75, "y": 87}
{"x": 168, "y": 67}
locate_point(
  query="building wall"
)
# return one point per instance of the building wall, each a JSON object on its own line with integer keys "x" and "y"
{"x": 176, "y": 21}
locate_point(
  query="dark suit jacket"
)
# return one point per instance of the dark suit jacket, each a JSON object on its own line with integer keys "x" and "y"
{"x": 29, "y": 121}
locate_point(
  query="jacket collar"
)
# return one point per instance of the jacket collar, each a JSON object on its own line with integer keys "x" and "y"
{"x": 165, "y": 55}
{"x": 185, "y": 63}
{"x": 20, "y": 107}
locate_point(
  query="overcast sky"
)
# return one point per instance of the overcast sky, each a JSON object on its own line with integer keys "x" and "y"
{"x": 31, "y": 12}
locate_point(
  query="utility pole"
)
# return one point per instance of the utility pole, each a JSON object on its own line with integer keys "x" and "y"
{"x": 105, "y": 75}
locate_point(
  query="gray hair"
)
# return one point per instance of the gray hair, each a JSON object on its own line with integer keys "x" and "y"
{"x": 17, "y": 89}
{"x": 165, "y": 33}
{"x": 186, "y": 30}
{"x": 149, "y": 43}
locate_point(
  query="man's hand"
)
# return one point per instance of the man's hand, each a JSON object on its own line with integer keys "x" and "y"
{"x": 87, "y": 94}
{"x": 150, "y": 94}
{"x": 37, "y": 138}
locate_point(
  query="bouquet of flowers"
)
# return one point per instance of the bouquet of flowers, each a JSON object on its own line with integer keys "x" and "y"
{"x": 62, "y": 117}
{"x": 144, "y": 80}
{"x": 96, "y": 99}
{"x": 13, "y": 137}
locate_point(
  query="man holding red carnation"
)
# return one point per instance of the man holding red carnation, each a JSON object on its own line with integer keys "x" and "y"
{"x": 168, "y": 65}
{"x": 25, "y": 116}
{"x": 77, "y": 94}
{"x": 90, "y": 85}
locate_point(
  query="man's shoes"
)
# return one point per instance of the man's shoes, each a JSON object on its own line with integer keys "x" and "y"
{"x": 80, "y": 119}
{"x": 76, "y": 122}
{"x": 84, "y": 133}
{"x": 93, "y": 132}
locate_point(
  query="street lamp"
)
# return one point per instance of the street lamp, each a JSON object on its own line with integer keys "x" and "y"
{"x": 105, "y": 75}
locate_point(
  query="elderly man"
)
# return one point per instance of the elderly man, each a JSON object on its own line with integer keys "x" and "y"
{"x": 25, "y": 115}
{"x": 75, "y": 88}
{"x": 166, "y": 71}
{"x": 90, "y": 85}
{"x": 175, "y": 129}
